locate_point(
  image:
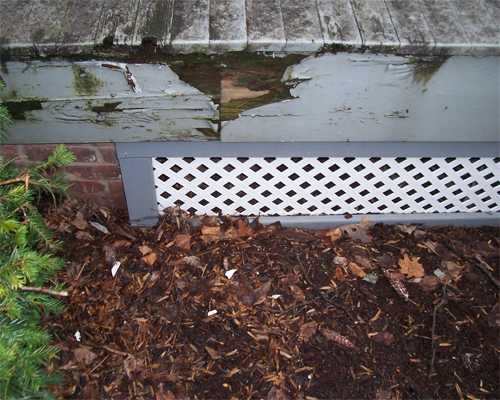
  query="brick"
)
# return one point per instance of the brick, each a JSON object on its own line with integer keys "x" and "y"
{"x": 9, "y": 151}
{"x": 117, "y": 202}
{"x": 85, "y": 154}
{"x": 39, "y": 153}
{"x": 108, "y": 153}
{"x": 94, "y": 172}
{"x": 116, "y": 188}
{"x": 92, "y": 187}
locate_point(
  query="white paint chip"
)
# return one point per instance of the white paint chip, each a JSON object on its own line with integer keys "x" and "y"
{"x": 114, "y": 270}
{"x": 229, "y": 274}
{"x": 78, "y": 336}
{"x": 212, "y": 312}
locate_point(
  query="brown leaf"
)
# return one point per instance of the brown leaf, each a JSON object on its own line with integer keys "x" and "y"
{"x": 406, "y": 229}
{"x": 144, "y": 250}
{"x": 84, "y": 355}
{"x": 451, "y": 269}
{"x": 84, "y": 235}
{"x": 411, "y": 268}
{"x": 183, "y": 241}
{"x": 363, "y": 261}
{"x": 357, "y": 231}
{"x": 429, "y": 283}
{"x": 356, "y": 270}
{"x": 384, "y": 338}
{"x": 261, "y": 293}
{"x": 193, "y": 261}
{"x": 307, "y": 331}
{"x": 131, "y": 365}
{"x": 385, "y": 260}
{"x": 339, "y": 274}
{"x": 214, "y": 354}
{"x": 80, "y": 222}
{"x": 244, "y": 228}
{"x": 150, "y": 259}
{"x": 334, "y": 234}
{"x": 440, "y": 250}
{"x": 297, "y": 293}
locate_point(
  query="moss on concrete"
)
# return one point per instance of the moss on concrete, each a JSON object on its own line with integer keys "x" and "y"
{"x": 84, "y": 82}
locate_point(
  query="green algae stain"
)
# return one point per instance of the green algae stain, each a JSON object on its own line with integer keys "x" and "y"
{"x": 424, "y": 68}
{"x": 84, "y": 82}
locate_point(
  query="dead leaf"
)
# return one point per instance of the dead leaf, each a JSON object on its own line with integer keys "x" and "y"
{"x": 411, "y": 268}
{"x": 84, "y": 235}
{"x": 131, "y": 365}
{"x": 357, "y": 231}
{"x": 210, "y": 230}
{"x": 214, "y": 354}
{"x": 339, "y": 260}
{"x": 100, "y": 228}
{"x": 297, "y": 293}
{"x": 385, "y": 261}
{"x": 384, "y": 338}
{"x": 339, "y": 274}
{"x": 183, "y": 241}
{"x": 334, "y": 234}
{"x": 356, "y": 270}
{"x": 144, "y": 250}
{"x": 307, "y": 331}
{"x": 80, "y": 222}
{"x": 244, "y": 228}
{"x": 150, "y": 259}
{"x": 429, "y": 283}
{"x": 451, "y": 269}
{"x": 363, "y": 261}
{"x": 84, "y": 355}
{"x": 406, "y": 229}
{"x": 261, "y": 293}
{"x": 439, "y": 249}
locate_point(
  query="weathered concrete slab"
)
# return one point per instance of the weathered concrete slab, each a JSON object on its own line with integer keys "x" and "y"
{"x": 375, "y": 25}
{"x": 302, "y": 27}
{"x": 265, "y": 25}
{"x": 228, "y": 30}
{"x": 190, "y": 29}
{"x": 448, "y": 32}
{"x": 66, "y": 27}
{"x": 338, "y": 23}
{"x": 479, "y": 26}
{"x": 95, "y": 101}
{"x": 356, "y": 97}
{"x": 411, "y": 27}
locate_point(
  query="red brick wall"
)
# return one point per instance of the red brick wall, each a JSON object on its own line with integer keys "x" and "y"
{"x": 95, "y": 174}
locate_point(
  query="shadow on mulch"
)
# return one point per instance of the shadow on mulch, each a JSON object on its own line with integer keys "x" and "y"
{"x": 202, "y": 307}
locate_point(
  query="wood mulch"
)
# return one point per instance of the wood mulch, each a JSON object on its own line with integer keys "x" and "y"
{"x": 203, "y": 307}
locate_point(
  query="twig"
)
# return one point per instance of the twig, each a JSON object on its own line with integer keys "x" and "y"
{"x": 62, "y": 293}
{"x": 433, "y": 340}
{"x": 322, "y": 295}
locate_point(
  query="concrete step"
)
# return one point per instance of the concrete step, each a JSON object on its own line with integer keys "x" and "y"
{"x": 69, "y": 27}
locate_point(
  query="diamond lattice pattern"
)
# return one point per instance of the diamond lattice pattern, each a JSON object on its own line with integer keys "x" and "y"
{"x": 327, "y": 185}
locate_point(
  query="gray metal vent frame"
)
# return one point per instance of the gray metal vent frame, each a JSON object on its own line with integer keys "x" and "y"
{"x": 136, "y": 161}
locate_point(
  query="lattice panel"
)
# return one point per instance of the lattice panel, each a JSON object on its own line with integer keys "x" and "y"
{"x": 327, "y": 185}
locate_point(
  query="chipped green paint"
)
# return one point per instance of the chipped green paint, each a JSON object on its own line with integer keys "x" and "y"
{"x": 424, "y": 68}
{"x": 17, "y": 109}
{"x": 85, "y": 83}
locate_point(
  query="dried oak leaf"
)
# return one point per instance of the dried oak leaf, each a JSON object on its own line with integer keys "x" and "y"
{"x": 84, "y": 355}
{"x": 406, "y": 229}
{"x": 334, "y": 234}
{"x": 363, "y": 261}
{"x": 332, "y": 335}
{"x": 411, "y": 268}
{"x": 451, "y": 269}
{"x": 356, "y": 270}
{"x": 384, "y": 338}
{"x": 357, "y": 231}
{"x": 308, "y": 330}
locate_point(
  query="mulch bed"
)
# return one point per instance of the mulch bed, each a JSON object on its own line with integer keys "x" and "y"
{"x": 203, "y": 307}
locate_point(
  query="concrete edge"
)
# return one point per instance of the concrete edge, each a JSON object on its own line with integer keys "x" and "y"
{"x": 471, "y": 220}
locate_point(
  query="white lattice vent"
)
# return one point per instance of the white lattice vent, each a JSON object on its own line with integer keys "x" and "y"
{"x": 327, "y": 185}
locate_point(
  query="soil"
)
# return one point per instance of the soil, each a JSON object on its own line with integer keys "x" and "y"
{"x": 203, "y": 307}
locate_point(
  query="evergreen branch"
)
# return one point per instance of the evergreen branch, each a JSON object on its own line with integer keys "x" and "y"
{"x": 63, "y": 293}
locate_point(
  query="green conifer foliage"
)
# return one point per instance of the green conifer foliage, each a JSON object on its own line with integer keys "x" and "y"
{"x": 27, "y": 265}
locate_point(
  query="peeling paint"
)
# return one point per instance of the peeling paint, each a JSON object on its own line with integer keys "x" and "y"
{"x": 17, "y": 109}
